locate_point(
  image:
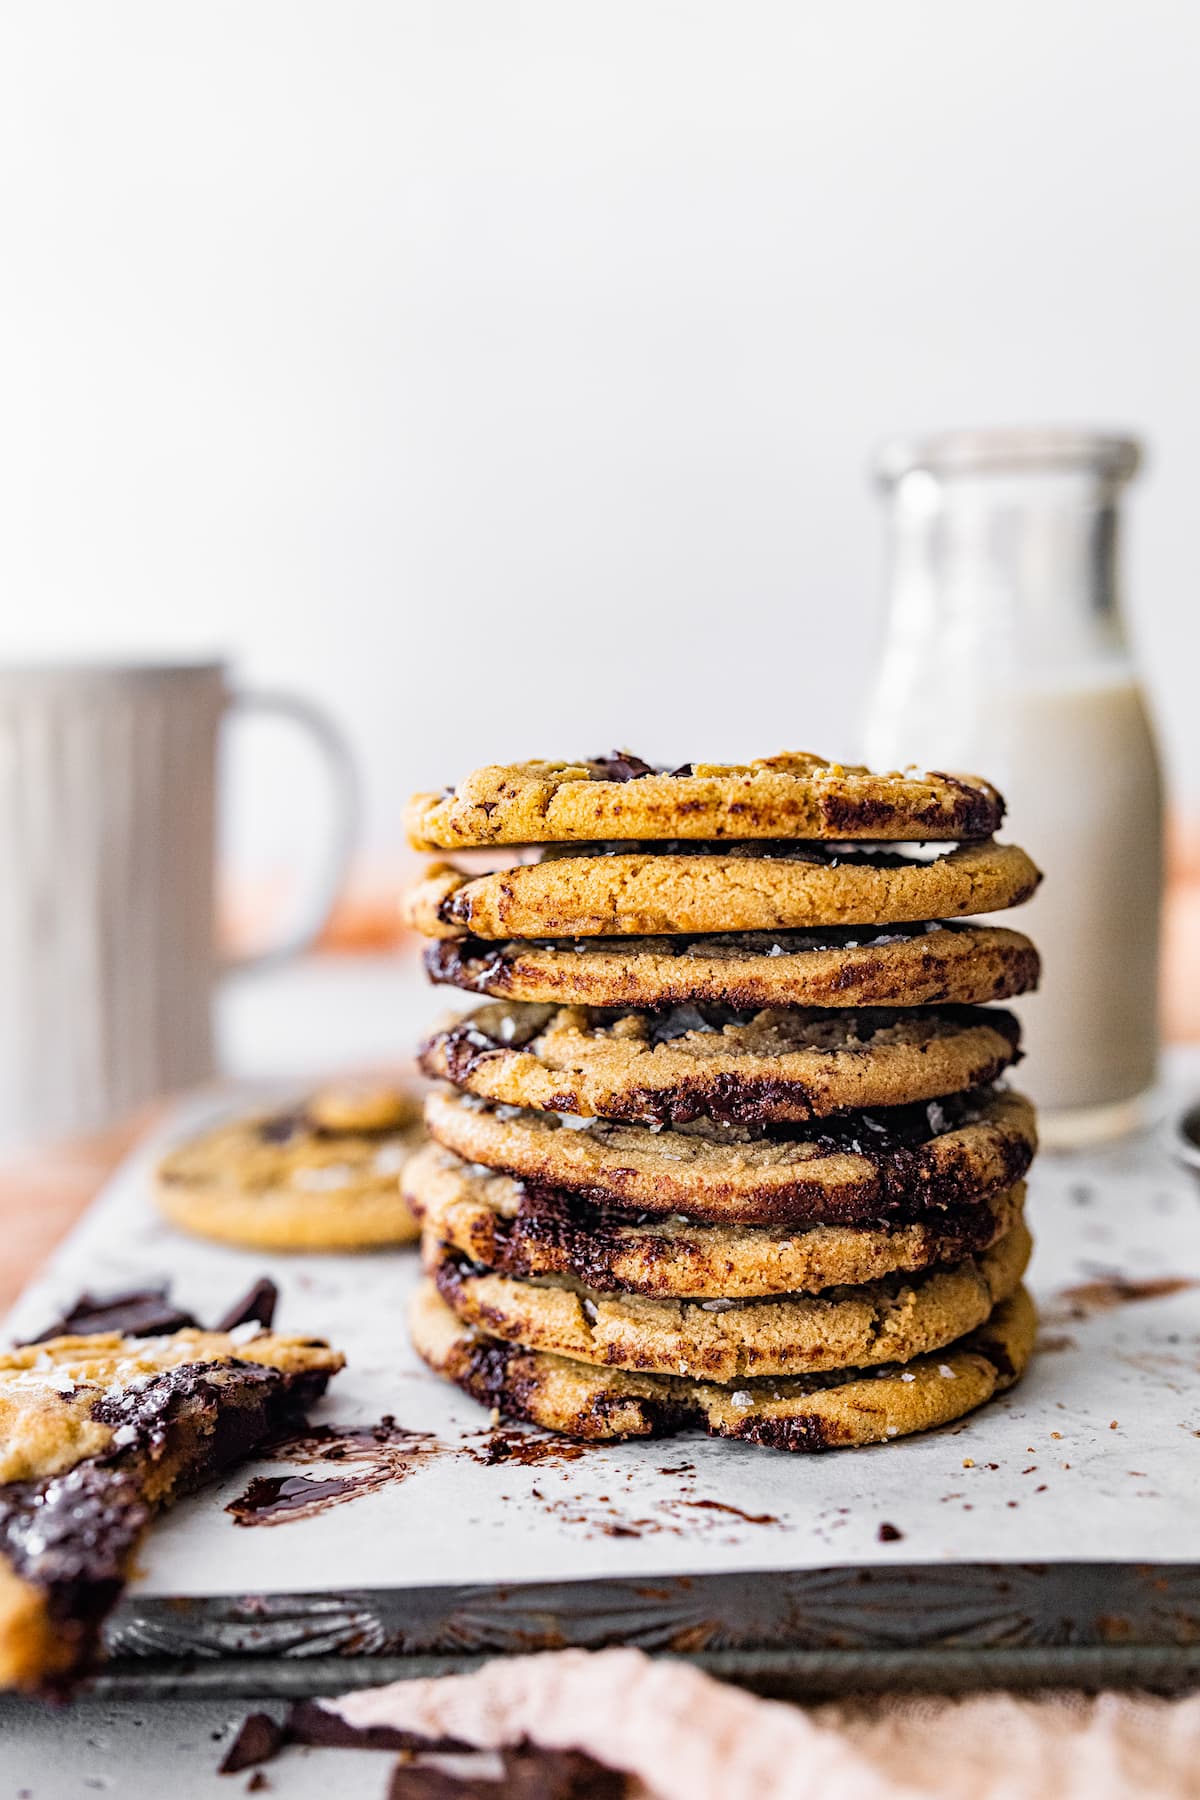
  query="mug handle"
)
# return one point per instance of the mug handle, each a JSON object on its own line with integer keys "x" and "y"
{"x": 339, "y": 760}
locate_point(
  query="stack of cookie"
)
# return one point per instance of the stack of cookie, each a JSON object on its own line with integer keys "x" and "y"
{"x": 728, "y": 1146}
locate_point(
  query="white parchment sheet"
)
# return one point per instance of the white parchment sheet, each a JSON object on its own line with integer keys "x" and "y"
{"x": 1095, "y": 1456}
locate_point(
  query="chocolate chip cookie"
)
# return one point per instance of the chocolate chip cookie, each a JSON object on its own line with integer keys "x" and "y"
{"x": 808, "y": 1412}
{"x": 695, "y": 1062}
{"x": 518, "y": 1228}
{"x": 889, "y": 1320}
{"x": 793, "y": 795}
{"x": 700, "y": 888}
{"x": 324, "y": 1175}
{"x": 97, "y": 1434}
{"x": 873, "y": 1166}
{"x": 840, "y": 965}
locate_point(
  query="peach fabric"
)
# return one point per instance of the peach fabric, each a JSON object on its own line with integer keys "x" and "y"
{"x": 1181, "y": 945}
{"x": 684, "y": 1736}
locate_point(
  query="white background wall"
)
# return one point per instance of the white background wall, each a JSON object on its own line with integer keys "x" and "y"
{"x": 503, "y": 371}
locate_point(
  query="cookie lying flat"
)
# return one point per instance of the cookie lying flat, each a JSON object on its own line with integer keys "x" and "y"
{"x": 741, "y": 1067}
{"x": 323, "y": 1176}
{"x": 800, "y": 1413}
{"x": 96, "y": 1435}
{"x": 903, "y": 965}
{"x": 795, "y": 795}
{"x": 721, "y": 888}
{"x": 897, "y": 1164}
{"x": 891, "y": 1320}
{"x": 505, "y": 1225}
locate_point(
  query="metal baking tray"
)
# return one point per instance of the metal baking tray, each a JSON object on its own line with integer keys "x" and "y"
{"x": 1050, "y": 1537}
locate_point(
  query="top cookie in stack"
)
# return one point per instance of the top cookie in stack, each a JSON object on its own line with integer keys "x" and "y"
{"x": 730, "y": 1115}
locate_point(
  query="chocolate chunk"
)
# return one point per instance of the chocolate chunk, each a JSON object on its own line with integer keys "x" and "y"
{"x": 260, "y": 1738}
{"x": 139, "y": 1312}
{"x": 889, "y": 1534}
{"x": 621, "y": 765}
{"x": 257, "y": 1307}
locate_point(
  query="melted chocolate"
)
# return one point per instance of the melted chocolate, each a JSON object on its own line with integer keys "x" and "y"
{"x": 886, "y": 1129}
{"x": 340, "y": 1443}
{"x": 270, "y": 1499}
{"x": 525, "y": 1449}
{"x": 73, "y": 1534}
{"x": 238, "y": 1402}
{"x": 373, "y": 1455}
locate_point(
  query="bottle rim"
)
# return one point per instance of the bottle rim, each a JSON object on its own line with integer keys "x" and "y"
{"x": 1009, "y": 450}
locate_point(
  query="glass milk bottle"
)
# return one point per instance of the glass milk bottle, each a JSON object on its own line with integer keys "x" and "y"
{"x": 1006, "y": 656}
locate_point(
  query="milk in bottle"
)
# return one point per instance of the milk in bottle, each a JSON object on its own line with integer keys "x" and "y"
{"x": 1006, "y": 655}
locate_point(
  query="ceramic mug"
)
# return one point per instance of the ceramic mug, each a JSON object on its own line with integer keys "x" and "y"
{"x": 107, "y": 850}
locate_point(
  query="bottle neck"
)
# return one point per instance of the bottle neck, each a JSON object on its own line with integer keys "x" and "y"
{"x": 1021, "y": 566}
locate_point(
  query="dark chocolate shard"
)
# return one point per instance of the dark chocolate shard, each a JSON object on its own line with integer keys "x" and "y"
{"x": 259, "y": 1739}
{"x": 138, "y": 1312}
{"x": 149, "y": 1312}
{"x": 255, "y": 1308}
